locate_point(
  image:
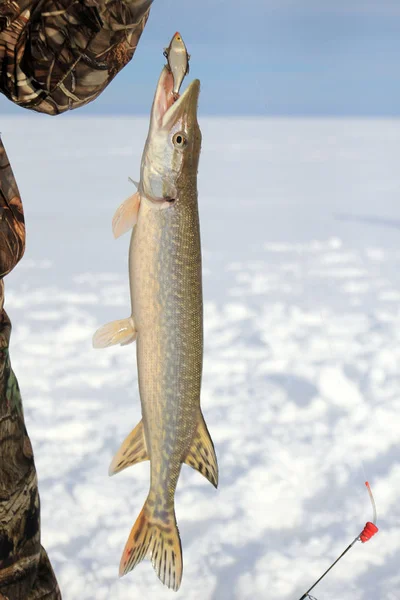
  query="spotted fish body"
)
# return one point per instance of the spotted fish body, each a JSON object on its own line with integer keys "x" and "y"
{"x": 167, "y": 322}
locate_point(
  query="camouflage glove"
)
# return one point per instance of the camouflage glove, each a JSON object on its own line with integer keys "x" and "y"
{"x": 57, "y": 55}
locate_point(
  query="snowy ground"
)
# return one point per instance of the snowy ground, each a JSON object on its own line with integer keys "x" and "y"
{"x": 301, "y": 228}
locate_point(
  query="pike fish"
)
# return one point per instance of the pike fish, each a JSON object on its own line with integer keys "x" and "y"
{"x": 167, "y": 323}
{"x": 178, "y": 61}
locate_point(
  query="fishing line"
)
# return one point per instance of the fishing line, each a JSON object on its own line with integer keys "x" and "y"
{"x": 366, "y": 534}
{"x": 374, "y": 515}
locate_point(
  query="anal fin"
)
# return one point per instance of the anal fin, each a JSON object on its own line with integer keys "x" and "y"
{"x": 126, "y": 215}
{"x": 133, "y": 450}
{"x": 117, "y": 332}
{"x": 201, "y": 455}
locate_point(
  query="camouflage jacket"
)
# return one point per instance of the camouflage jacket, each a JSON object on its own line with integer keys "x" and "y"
{"x": 55, "y": 55}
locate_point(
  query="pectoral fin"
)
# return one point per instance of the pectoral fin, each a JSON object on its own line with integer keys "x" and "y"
{"x": 117, "y": 332}
{"x": 201, "y": 455}
{"x": 126, "y": 215}
{"x": 133, "y": 450}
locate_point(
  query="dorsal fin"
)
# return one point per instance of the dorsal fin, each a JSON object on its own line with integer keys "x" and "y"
{"x": 201, "y": 455}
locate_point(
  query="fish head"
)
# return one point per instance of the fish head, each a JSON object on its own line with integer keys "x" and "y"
{"x": 172, "y": 150}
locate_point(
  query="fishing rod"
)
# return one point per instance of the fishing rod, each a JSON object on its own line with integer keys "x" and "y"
{"x": 369, "y": 530}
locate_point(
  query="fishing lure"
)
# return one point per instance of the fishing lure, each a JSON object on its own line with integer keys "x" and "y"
{"x": 366, "y": 534}
{"x": 178, "y": 61}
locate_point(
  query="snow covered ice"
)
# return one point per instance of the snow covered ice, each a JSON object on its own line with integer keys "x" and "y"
{"x": 300, "y": 228}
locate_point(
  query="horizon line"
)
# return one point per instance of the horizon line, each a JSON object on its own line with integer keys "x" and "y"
{"x": 93, "y": 115}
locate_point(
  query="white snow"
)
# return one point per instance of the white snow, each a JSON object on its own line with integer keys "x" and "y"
{"x": 301, "y": 390}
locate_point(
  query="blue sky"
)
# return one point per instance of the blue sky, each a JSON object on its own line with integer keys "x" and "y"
{"x": 264, "y": 57}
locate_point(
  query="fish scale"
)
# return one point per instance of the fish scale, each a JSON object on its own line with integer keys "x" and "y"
{"x": 169, "y": 375}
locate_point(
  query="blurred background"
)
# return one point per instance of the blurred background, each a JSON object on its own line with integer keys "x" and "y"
{"x": 269, "y": 57}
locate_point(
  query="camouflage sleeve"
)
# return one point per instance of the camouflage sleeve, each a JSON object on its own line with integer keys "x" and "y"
{"x": 12, "y": 225}
{"x": 57, "y": 55}
{"x": 25, "y": 570}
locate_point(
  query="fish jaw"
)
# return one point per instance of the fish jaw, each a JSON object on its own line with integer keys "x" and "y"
{"x": 173, "y": 142}
{"x": 184, "y": 109}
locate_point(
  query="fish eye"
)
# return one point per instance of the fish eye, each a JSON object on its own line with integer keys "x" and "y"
{"x": 179, "y": 140}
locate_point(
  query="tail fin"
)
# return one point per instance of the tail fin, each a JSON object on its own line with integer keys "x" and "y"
{"x": 158, "y": 540}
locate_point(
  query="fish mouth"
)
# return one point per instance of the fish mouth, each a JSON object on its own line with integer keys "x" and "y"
{"x": 166, "y": 109}
{"x": 185, "y": 105}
